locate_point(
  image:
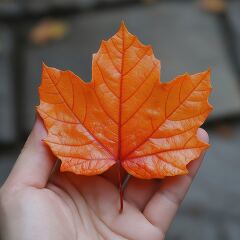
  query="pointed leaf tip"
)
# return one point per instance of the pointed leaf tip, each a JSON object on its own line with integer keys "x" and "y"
{"x": 43, "y": 64}
{"x": 122, "y": 24}
{"x": 123, "y": 27}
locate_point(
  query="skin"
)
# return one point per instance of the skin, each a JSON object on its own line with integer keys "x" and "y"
{"x": 37, "y": 202}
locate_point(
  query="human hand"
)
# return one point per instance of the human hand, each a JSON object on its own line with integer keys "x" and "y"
{"x": 37, "y": 202}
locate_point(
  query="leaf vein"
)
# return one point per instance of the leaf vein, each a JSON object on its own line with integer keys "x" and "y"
{"x": 165, "y": 118}
{"x": 94, "y": 137}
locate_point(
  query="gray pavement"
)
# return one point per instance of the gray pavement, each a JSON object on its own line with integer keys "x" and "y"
{"x": 7, "y": 130}
{"x": 6, "y": 162}
{"x": 233, "y": 12}
{"x": 189, "y": 228}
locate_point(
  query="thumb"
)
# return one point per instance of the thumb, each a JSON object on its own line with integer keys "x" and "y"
{"x": 35, "y": 163}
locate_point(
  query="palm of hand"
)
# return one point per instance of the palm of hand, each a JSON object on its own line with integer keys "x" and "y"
{"x": 74, "y": 207}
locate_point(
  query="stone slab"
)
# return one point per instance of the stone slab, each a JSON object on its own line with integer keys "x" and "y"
{"x": 45, "y": 5}
{"x": 188, "y": 228}
{"x": 7, "y": 116}
{"x": 6, "y": 163}
{"x": 233, "y": 17}
{"x": 232, "y": 230}
{"x": 183, "y": 37}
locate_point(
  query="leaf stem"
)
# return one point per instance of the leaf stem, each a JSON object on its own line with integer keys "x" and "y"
{"x": 120, "y": 187}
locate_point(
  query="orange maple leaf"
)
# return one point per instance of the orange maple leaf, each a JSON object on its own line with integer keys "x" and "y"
{"x": 125, "y": 115}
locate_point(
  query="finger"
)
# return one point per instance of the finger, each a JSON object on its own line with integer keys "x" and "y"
{"x": 164, "y": 204}
{"x": 35, "y": 163}
{"x": 139, "y": 191}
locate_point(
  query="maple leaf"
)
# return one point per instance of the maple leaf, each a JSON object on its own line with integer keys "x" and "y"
{"x": 125, "y": 115}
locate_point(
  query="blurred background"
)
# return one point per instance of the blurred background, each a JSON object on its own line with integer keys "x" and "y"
{"x": 186, "y": 35}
